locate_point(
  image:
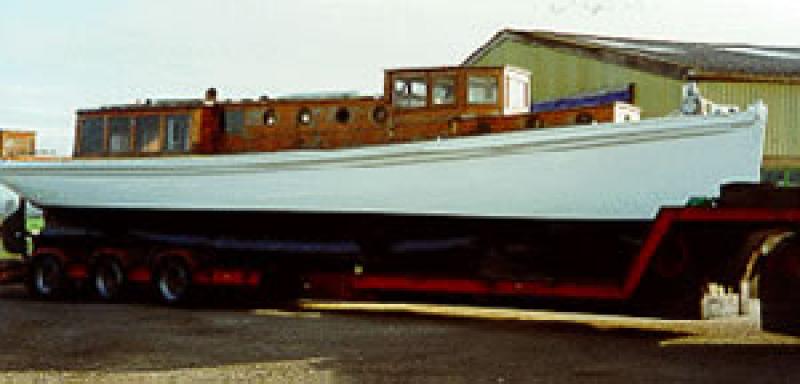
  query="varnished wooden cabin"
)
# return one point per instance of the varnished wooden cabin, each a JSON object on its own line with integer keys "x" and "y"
{"x": 418, "y": 104}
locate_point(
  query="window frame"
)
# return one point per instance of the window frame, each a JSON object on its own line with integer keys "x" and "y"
{"x": 436, "y": 78}
{"x": 187, "y": 146}
{"x": 469, "y": 87}
{"x": 409, "y": 80}
{"x": 235, "y": 130}
{"x": 137, "y": 144}
{"x": 111, "y": 135}
{"x": 101, "y": 140}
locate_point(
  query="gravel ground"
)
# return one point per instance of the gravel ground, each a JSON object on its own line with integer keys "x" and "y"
{"x": 84, "y": 342}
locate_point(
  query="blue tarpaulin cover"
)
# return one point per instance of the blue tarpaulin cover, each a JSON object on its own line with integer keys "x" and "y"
{"x": 591, "y": 100}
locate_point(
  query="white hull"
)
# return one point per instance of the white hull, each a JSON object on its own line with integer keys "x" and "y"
{"x": 606, "y": 171}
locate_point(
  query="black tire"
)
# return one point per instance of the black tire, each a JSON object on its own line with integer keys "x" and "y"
{"x": 778, "y": 289}
{"x": 108, "y": 279}
{"x": 47, "y": 278}
{"x": 280, "y": 287}
{"x": 671, "y": 288}
{"x": 173, "y": 281}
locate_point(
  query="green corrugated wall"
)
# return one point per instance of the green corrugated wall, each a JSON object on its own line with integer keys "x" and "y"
{"x": 783, "y": 101}
{"x": 558, "y": 74}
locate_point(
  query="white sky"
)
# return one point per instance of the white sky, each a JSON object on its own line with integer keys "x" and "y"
{"x": 57, "y": 56}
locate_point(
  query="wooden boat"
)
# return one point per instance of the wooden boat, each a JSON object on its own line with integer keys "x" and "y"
{"x": 447, "y": 184}
{"x": 451, "y": 141}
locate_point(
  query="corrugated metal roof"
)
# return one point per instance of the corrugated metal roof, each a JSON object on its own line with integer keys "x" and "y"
{"x": 682, "y": 60}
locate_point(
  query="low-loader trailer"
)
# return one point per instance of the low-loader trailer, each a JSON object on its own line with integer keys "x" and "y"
{"x": 660, "y": 267}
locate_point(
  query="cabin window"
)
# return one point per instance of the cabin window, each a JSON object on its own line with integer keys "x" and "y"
{"x": 253, "y": 116}
{"x": 304, "y": 116}
{"x": 119, "y": 134}
{"x": 270, "y": 117}
{"x": 444, "y": 90}
{"x": 91, "y": 135}
{"x": 584, "y": 118}
{"x": 148, "y": 134}
{"x": 380, "y": 114}
{"x": 774, "y": 176}
{"x": 410, "y": 92}
{"x": 794, "y": 178}
{"x": 482, "y": 90}
{"x": 177, "y": 134}
{"x": 342, "y": 115}
{"x": 234, "y": 121}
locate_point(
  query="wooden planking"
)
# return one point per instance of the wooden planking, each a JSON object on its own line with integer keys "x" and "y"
{"x": 324, "y": 130}
{"x": 344, "y": 122}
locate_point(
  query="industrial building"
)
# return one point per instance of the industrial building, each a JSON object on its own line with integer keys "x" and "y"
{"x": 652, "y": 73}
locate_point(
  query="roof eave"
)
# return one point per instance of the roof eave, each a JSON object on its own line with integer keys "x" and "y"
{"x": 728, "y": 77}
{"x": 498, "y": 37}
{"x": 551, "y": 40}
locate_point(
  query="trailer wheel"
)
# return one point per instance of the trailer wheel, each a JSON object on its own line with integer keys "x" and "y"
{"x": 173, "y": 281}
{"x": 779, "y": 289}
{"x": 280, "y": 287}
{"x": 674, "y": 262}
{"x": 671, "y": 288}
{"x": 47, "y": 278}
{"x": 109, "y": 279}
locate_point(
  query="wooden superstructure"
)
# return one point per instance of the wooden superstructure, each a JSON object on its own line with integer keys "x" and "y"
{"x": 418, "y": 104}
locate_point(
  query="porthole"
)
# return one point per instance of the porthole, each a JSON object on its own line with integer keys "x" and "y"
{"x": 484, "y": 127}
{"x": 304, "y": 116}
{"x": 533, "y": 122}
{"x": 342, "y": 115}
{"x": 380, "y": 114}
{"x": 584, "y": 118}
{"x": 270, "y": 117}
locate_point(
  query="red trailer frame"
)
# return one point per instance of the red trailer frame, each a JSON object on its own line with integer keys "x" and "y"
{"x": 748, "y": 222}
{"x": 702, "y": 238}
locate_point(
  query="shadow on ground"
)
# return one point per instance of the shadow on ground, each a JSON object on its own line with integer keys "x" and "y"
{"x": 85, "y": 337}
